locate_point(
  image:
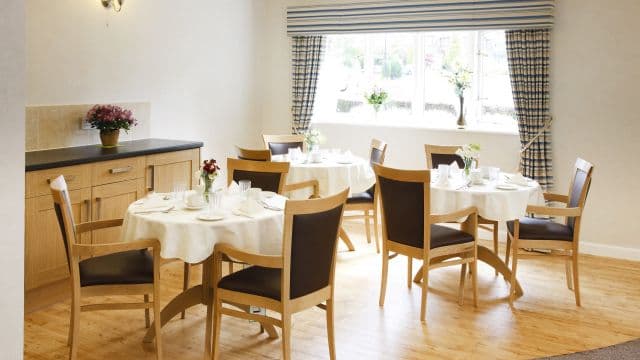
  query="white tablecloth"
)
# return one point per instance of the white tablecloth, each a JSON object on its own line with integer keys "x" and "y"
{"x": 183, "y": 236}
{"x": 492, "y": 203}
{"x": 332, "y": 176}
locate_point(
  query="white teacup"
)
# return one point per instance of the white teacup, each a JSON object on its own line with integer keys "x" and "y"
{"x": 194, "y": 200}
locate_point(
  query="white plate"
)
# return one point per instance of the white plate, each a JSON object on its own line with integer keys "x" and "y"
{"x": 506, "y": 187}
{"x": 210, "y": 217}
{"x": 190, "y": 207}
{"x": 346, "y": 162}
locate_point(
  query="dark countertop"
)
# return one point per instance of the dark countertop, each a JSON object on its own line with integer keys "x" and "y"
{"x": 49, "y": 159}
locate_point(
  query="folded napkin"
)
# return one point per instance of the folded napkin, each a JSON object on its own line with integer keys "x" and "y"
{"x": 454, "y": 166}
{"x": 518, "y": 179}
{"x": 249, "y": 207}
{"x": 276, "y": 202}
{"x": 147, "y": 209}
{"x": 233, "y": 187}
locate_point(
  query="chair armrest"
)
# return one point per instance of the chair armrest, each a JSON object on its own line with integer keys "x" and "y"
{"x": 96, "y": 225}
{"x": 269, "y": 261}
{"x": 105, "y": 249}
{"x": 305, "y": 184}
{"x": 556, "y": 197}
{"x": 454, "y": 216}
{"x": 551, "y": 211}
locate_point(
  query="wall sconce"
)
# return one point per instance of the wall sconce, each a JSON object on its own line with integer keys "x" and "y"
{"x": 116, "y": 4}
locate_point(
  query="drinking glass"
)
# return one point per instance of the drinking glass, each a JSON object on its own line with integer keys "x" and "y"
{"x": 494, "y": 173}
{"x": 244, "y": 186}
{"x": 215, "y": 200}
{"x": 178, "y": 190}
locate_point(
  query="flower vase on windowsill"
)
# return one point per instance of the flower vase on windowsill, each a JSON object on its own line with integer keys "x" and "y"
{"x": 109, "y": 119}
{"x": 461, "y": 123}
{"x": 376, "y": 99}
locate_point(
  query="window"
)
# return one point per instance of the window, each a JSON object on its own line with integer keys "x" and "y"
{"x": 412, "y": 69}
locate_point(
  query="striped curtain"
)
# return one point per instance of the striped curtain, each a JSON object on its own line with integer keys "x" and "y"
{"x": 307, "y": 52}
{"x": 528, "y": 55}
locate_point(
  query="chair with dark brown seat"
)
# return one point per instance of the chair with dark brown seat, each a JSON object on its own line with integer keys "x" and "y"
{"x": 280, "y": 144}
{"x": 300, "y": 278}
{"x": 366, "y": 201}
{"x": 252, "y": 154}
{"x": 267, "y": 175}
{"x": 107, "y": 269}
{"x": 561, "y": 239}
{"x": 446, "y": 154}
{"x": 409, "y": 229}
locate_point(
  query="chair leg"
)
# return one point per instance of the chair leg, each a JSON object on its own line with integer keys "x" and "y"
{"x": 74, "y": 325}
{"x": 217, "y": 324}
{"x": 576, "y": 279}
{"x": 383, "y": 280}
{"x": 156, "y": 320}
{"x": 185, "y": 283}
{"x": 375, "y": 230}
{"x": 495, "y": 242}
{"x": 474, "y": 277}
{"x": 330, "y": 330}
{"x": 514, "y": 268}
{"x": 508, "y": 251}
{"x": 567, "y": 267}
{"x": 147, "y": 320}
{"x": 286, "y": 335}
{"x": 409, "y": 271}
{"x": 425, "y": 289}
{"x": 209, "y": 328}
{"x": 463, "y": 275}
{"x": 367, "y": 226}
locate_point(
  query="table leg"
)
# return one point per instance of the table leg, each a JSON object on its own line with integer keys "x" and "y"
{"x": 345, "y": 238}
{"x": 487, "y": 256}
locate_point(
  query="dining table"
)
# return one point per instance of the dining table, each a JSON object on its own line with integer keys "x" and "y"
{"x": 500, "y": 199}
{"x": 189, "y": 234}
{"x": 334, "y": 171}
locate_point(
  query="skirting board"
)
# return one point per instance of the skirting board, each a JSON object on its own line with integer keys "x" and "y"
{"x": 617, "y": 252}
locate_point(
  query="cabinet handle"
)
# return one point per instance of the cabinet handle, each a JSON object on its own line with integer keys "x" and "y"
{"x": 152, "y": 175}
{"x": 121, "y": 170}
{"x": 98, "y": 208}
{"x": 87, "y": 204}
{"x": 67, "y": 178}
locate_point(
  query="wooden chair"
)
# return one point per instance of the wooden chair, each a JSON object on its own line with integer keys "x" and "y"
{"x": 439, "y": 154}
{"x": 280, "y": 144}
{"x": 409, "y": 229}
{"x": 302, "y": 277}
{"x": 561, "y": 239}
{"x": 255, "y": 155}
{"x": 267, "y": 175}
{"x": 107, "y": 269}
{"x": 366, "y": 201}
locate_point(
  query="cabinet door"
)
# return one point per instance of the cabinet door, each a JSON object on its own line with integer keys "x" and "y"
{"x": 45, "y": 254}
{"x": 111, "y": 202}
{"x": 168, "y": 169}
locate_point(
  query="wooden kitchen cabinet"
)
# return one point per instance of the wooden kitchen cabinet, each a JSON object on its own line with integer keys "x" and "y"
{"x": 99, "y": 190}
{"x": 166, "y": 170}
{"x": 111, "y": 202}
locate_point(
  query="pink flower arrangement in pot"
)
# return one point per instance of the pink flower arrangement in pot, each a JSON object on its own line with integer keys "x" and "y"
{"x": 109, "y": 119}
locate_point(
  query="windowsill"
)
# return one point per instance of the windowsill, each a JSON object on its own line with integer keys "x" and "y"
{"x": 409, "y": 124}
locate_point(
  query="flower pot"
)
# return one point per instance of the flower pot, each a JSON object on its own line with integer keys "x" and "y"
{"x": 109, "y": 138}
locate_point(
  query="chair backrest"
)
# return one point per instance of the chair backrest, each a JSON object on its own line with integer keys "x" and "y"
{"x": 266, "y": 175}
{"x": 378, "y": 152}
{"x": 442, "y": 154}
{"x": 579, "y": 189}
{"x": 405, "y": 205}
{"x": 252, "y": 154}
{"x": 280, "y": 144}
{"x": 62, "y": 206}
{"x": 310, "y": 243}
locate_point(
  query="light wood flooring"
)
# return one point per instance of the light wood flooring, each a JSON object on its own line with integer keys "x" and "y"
{"x": 545, "y": 321}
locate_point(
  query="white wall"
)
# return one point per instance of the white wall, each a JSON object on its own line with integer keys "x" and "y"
{"x": 12, "y": 101}
{"x": 595, "y": 72}
{"x": 193, "y": 62}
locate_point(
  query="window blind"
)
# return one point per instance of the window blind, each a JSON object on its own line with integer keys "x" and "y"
{"x": 428, "y": 15}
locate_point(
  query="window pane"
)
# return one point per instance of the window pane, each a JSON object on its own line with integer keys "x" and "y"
{"x": 496, "y": 102}
{"x": 444, "y": 52}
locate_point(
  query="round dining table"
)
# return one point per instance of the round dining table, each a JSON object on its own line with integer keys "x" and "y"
{"x": 498, "y": 199}
{"x": 191, "y": 234}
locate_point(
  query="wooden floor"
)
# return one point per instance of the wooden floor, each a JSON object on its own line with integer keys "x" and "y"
{"x": 545, "y": 321}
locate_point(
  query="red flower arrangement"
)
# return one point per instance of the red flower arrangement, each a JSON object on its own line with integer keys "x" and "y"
{"x": 208, "y": 173}
{"x": 110, "y": 117}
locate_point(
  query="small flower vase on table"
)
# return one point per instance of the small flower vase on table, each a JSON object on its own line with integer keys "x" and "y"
{"x": 208, "y": 174}
{"x": 469, "y": 154}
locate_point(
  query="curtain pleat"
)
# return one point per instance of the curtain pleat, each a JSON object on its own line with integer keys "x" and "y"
{"x": 528, "y": 56}
{"x": 307, "y": 53}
